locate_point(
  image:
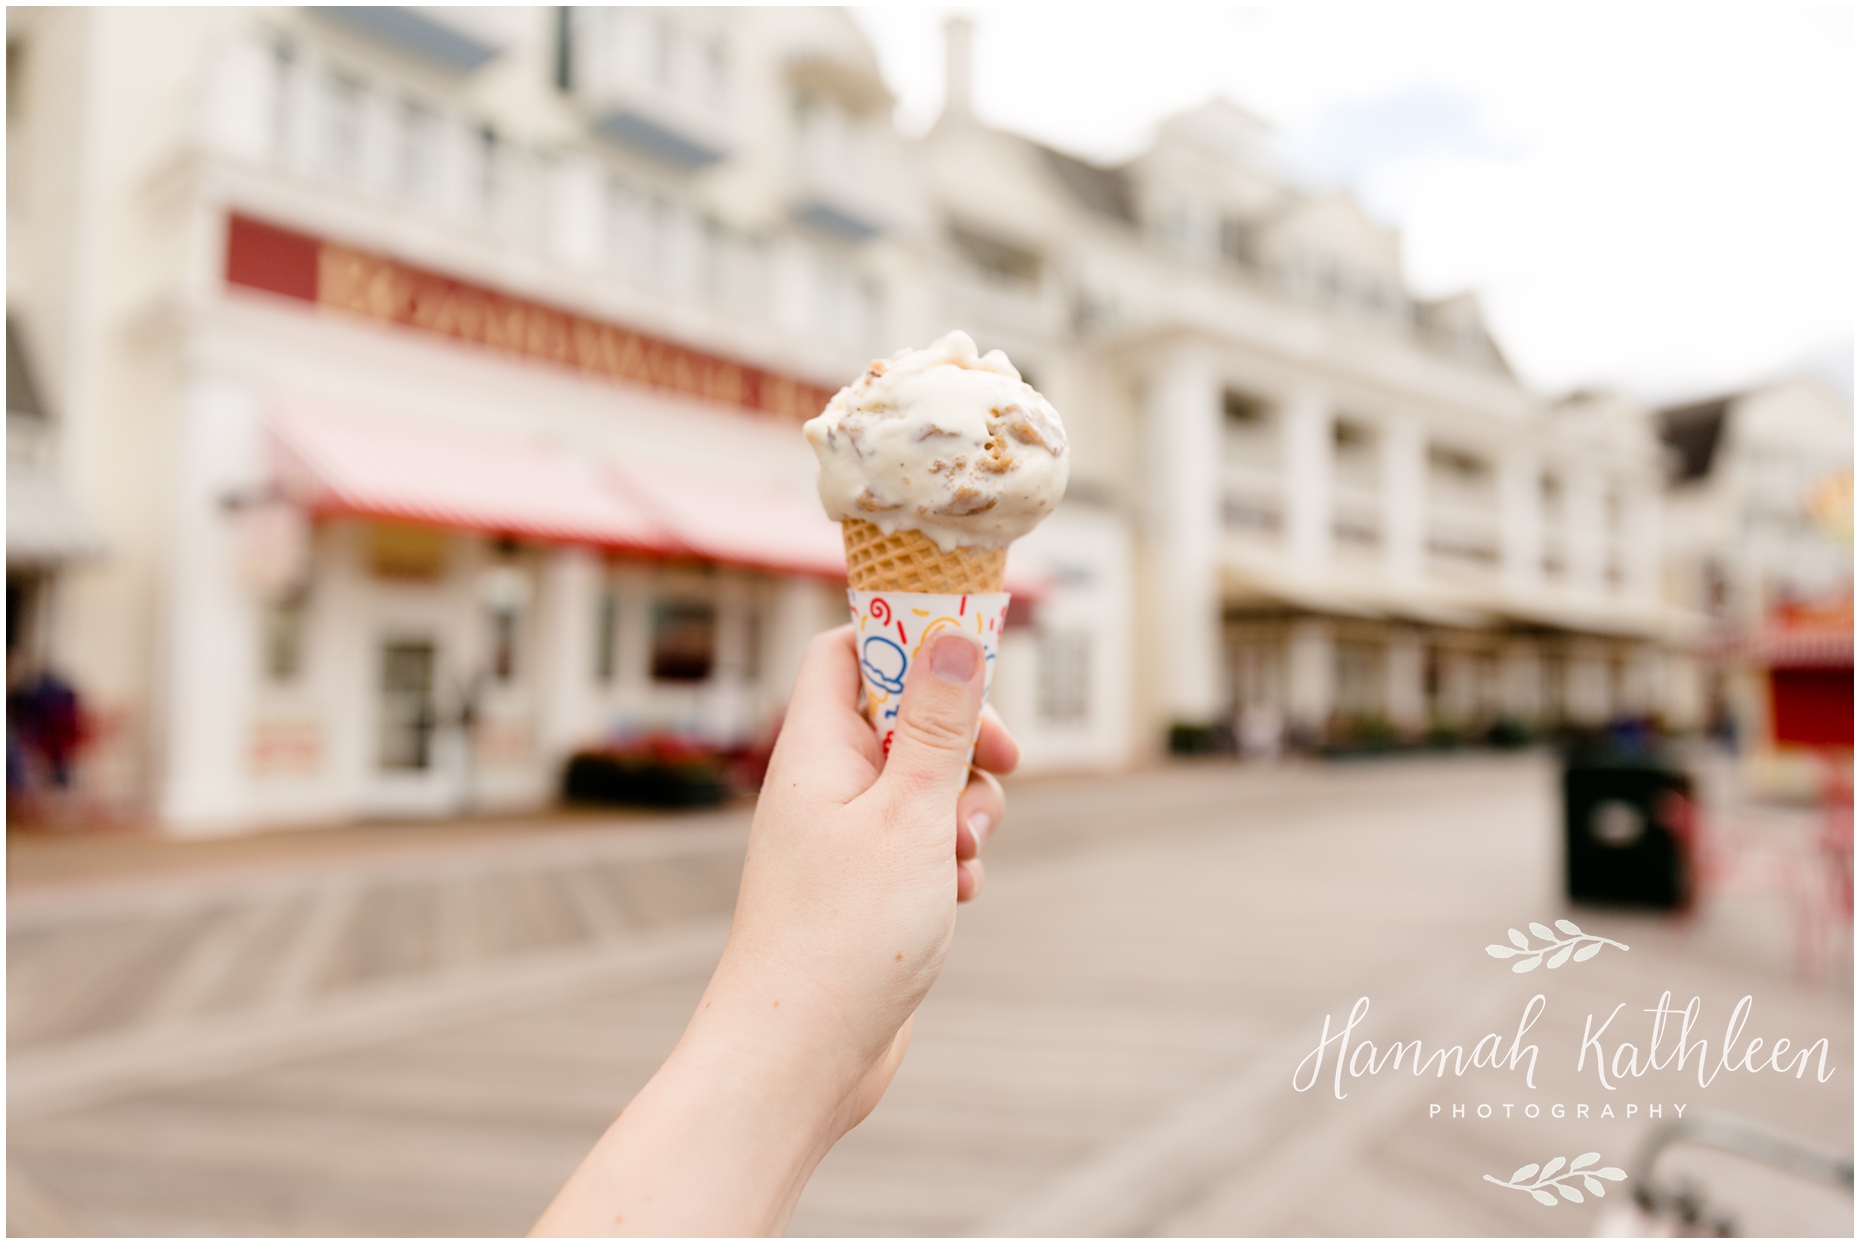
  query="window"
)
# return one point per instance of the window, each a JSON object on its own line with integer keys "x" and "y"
{"x": 606, "y": 634}
{"x": 1463, "y": 467}
{"x": 489, "y": 155}
{"x": 1065, "y": 676}
{"x": 504, "y": 636}
{"x": 752, "y": 644}
{"x": 564, "y": 49}
{"x": 1239, "y": 242}
{"x": 342, "y": 124}
{"x": 283, "y": 108}
{"x": 716, "y": 72}
{"x": 408, "y": 714}
{"x": 417, "y": 159}
{"x": 684, "y": 640}
{"x": 286, "y": 624}
{"x": 997, "y": 261}
{"x": 1243, "y": 411}
{"x": 1352, "y": 437}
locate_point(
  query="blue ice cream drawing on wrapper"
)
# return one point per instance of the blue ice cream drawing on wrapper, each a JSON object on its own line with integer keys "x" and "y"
{"x": 884, "y": 663}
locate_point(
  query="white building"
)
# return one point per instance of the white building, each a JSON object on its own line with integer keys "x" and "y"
{"x": 1760, "y": 487}
{"x": 1346, "y": 514}
{"x": 411, "y": 359}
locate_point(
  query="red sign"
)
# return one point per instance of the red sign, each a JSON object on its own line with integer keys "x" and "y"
{"x": 296, "y": 265}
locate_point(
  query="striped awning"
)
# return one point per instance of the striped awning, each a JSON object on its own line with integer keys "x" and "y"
{"x": 1794, "y": 648}
{"x": 346, "y": 464}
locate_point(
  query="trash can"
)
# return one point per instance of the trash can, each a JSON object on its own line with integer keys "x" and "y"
{"x": 1627, "y": 823}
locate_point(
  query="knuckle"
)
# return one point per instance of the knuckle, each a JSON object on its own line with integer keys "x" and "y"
{"x": 944, "y": 727}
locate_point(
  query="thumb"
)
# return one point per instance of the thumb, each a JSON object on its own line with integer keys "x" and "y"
{"x": 935, "y": 731}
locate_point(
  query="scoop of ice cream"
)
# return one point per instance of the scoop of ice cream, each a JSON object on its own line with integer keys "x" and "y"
{"x": 943, "y": 441}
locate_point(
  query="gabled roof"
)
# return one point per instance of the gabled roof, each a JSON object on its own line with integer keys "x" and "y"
{"x": 1693, "y": 433}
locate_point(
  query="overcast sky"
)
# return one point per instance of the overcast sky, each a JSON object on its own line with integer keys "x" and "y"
{"x": 1659, "y": 199}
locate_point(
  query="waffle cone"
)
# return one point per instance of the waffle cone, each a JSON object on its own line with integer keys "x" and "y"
{"x": 909, "y": 561}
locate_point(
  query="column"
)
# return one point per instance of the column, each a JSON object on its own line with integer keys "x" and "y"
{"x": 1183, "y": 430}
{"x": 1641, "y": 542}
{"x": 1523, "y": 682}
{"x": 209, "y": 666}
{"x": 1520, "y": 508}
{"x": 1405, "y": 668}
{"x": 1310, "y": 668}
{"x": 1308, "y": 439}
{"x": 1404, "y": 497}
{"x": 566, "y": 626}
{"x": 1584, "y": 547}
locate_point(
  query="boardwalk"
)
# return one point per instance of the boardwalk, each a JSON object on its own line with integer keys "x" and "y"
{"x": 425, "y": 1042}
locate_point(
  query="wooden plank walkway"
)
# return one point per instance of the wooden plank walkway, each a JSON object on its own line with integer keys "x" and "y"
{"x": 427, "y": 1045}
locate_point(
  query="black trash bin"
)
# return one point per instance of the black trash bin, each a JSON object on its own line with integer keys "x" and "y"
{"x": 1627, "y": 826}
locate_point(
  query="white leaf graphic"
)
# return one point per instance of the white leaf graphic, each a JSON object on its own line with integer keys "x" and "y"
{"x": 1611, "y": 1172}
{"x": 1523, "y": 1173}
{"x": 1584, "y": 1160}
{"x": 1588, "y": 952}
{"x": 1500, "y": 952}
{"x": 1569, "y": 928}
{"x": 1595, "y": 1188}
{"x": 1543, "y": 1196}
{"x": 1525, "y": 965}
{"x": 1569, "y": 1193}
{"x": 1552, "y": 1167}
{"x": 1539, "y": 931}
{"x": 1519, "y": 940}
{"x": 1562, "y": 956}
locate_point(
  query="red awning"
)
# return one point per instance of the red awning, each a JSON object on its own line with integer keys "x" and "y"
{"x": 346, "y": 464}
{"x": 738, "y": 524}
{"x": 381, "y": 468}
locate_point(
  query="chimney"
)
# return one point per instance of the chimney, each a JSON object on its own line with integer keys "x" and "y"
{"x": 958, "y": 39}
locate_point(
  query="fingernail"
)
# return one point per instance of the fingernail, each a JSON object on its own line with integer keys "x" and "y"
{"x": 979, "y": 824}
{"x": 953, "y": 659}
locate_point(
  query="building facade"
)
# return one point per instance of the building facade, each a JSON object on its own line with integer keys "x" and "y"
{"x": 1759, "y": 509}
{"x": 432, "y": 380}
{"x": 1346, "y": 516}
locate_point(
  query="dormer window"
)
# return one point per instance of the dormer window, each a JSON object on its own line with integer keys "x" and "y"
{"x": 1239, "y": 241}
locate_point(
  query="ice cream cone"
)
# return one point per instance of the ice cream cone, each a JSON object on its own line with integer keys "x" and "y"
{"x": 909, "y": 561}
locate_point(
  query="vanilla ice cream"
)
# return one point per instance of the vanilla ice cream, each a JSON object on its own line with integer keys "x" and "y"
{"x": 943, "y": 441}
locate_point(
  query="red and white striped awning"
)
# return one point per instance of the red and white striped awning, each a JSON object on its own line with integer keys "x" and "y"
{"x": 737, "y": 524}
{"x": 1795, "y": 648}
{"x": 345, "y": 464}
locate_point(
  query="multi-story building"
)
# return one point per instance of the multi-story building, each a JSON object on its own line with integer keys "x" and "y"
{"x": 433, "y": 378}
{"x": 1759, "y": 514}
{"x": 1346, "y": 512}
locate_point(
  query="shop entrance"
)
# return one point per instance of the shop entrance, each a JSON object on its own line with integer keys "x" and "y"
{"x": 409, "y": 716}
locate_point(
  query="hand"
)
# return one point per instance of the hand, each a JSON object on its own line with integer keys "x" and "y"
{"x": 847, "y": 906}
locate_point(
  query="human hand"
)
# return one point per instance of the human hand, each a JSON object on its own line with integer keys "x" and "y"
{"x": 846, "y": 910}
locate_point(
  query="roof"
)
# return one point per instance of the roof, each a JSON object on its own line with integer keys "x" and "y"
{"x": 1693, "y": 433}
{"x": 1102, "y": 190}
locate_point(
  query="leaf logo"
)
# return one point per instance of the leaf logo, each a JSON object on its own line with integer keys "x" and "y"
{"x": 1576, "y": 944}
{"x": 1547, "y": 1177}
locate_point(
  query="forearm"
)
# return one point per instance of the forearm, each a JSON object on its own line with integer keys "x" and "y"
{"x": 721, "y": 1141}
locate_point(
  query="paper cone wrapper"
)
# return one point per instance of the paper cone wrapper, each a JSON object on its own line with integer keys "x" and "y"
{"x": 891, "y": 628}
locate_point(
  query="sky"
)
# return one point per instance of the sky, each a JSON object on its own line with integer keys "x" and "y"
{"x": 1656, "y": 199}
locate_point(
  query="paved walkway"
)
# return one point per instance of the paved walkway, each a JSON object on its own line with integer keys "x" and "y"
{"x": 426, "y": 1041}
